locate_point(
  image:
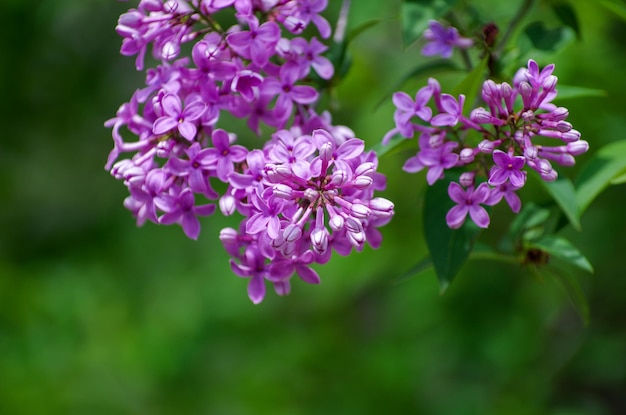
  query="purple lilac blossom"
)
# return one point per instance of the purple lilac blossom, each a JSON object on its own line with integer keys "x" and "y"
{"x": 304, "y": 193}
{"x": 442, "y": 40}
{"x": 515, "y": 128}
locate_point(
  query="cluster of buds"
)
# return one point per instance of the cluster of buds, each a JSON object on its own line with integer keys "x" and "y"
{"x": 311, "y": 176}
{"x": 513, "y": 133}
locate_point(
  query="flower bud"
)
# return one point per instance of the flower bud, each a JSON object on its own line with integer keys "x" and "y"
{"x": 362, "y": 182}
{"x": 292, "y": 233}
{"x": 227, "y": 205}
{"x": 466, "y": 155}
{"x": 336, "y": 223}
{"x": 319, "y": 240}
{"x": 578, "y": 147}
{"x": 283, "y": 191}
{"x": 467, "y": 179}
{"x": 360, "y": 211}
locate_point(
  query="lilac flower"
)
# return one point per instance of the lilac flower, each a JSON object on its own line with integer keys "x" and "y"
{"x": 506, "y": 191}
{"x": 256, "y": 44}
{"x": 252, "y": 266}
{"x": 452, "y": 111}
{"x": 177, "y": 117}
{"x": 224, "y": 155}
{"x": 468, "y": 201}
{"x": 437, "y": 159}
{"x": 507, "y": 167}
{"x": 407, "y": 109}
{"x": 441, "y": 40}
{"x": 180, "y": 208}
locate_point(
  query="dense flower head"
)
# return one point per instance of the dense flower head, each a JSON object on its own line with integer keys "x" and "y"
{"x": 517, "y": 127}
{"x": 305, "y": 192}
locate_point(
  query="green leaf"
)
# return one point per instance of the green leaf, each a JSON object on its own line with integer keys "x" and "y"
{"x": 547, "y": 40}
{"x": 528, "y": 224}
{"x": 569, "y": 92}
{"x": 616, "y": 7}
{"x": 567, "y": 15}
{"x": 472, "y": 85}
{"x": 395, "y": 145}
{"x": 619, "y": 179}
{"x": 423, "y": 265}
{"x": 607, "y": 164}
{"x": 415, "y": 15}
{"x": 338, "y": 51}
{"x": 563, "y": 192}
{"x": 449, "y": 248}
{"x": 563, "y": 249}
{"x": 574, "y": 292}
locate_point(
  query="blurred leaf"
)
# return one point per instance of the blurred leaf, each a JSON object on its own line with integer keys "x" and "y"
{"x": 395, "y": 145}
{"x": 527, "y": 225}
{"x": 415, "y": 15}
{"x": 338, "y": 51}
{"x": 449, "y": 248}
{"x": 471, "y": 85}
{"x": 482, "y": 251}
{"x": 438, "y": 66}
{"x": 619, "y": 179}
{"x": 563, "y": 192}
{"x": 567, "y": 15}
{"x": 608, "y": 163}
{"x": 568, "y": 92}
{"x": 617, "y": 7}
{"x": 563, "y": 249}
{"x": 574, "y": 292}
{"x": 547, "y": 40}
{"x": 354, "y": 33}
{"x": 423, "y": 265}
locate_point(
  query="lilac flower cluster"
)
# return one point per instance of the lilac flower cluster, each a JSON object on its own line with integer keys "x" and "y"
{"x": 308, "y": 190}
{"x": 501, "y": 141}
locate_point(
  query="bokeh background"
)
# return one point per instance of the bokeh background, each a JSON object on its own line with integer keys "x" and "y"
{"x": 98, "y": 316}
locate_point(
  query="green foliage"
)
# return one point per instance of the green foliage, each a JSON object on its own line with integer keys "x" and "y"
{"x": 607, "y": 165}
{"x": 563, "y": 192}
{"x": 547, "y": 39}
{"x": 449, "y": 248}
{"x": 415, "y": 15}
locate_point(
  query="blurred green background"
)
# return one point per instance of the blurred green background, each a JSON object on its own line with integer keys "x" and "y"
{"x": 100, "y": 317}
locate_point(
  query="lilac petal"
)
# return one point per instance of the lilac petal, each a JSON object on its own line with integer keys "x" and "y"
{"x": 169, "y": 218}
{"x": 171, "y": 105}
{"x": 479, "y": 215}
{"x": 194, "y": 111}
{"x": 413, "y": 165}
{"x": 239, "y": 41}
{"x": 204, "y": 210}
{"x": 283, "y": 106}
{"x": 303, "y": 148}
{"x": 269, "y": 32}
{"x": 351, "y": 149}
{"x": 517, "y": 178}
{"x": 449, "y": 104}
{"x": 273, "y": 227}
{"x": 256, "y": 289}
{"x": 403, "y": 101}
{"x": 501, "y": 158}
{"x": 238, "y": 153}
{"x": 240, "y": 181}
{"x": 304, "y": 94}
{"x": 498, "y": 176}
{"x": 513, "y": 200}
{"x": 177, "y": 167}
{"x": 423, "y": 96}
{"x": 441, "y": 120}
{"x": 224, "y": 168}
{"x": 456, "y": 216}
{"x": 282, "y": 288}
{"x": 197, "y": 181}
{"x": 187, "y": 130}
{"x": 301, "y": 168}
{"x": 434, "y": 173}
{"x": 164, "y": 124}
{"x": 259, "y": 53}
{"x": 457, "y": 193}
{"x": 239, "y": 270}
{"x": 322, "y": 25}
{"x": 256, "y": 223}
{"x": 307, "y": 274}
{"x": 517, "y": 162}
{"x": 323, "y": 67}
{"x": 220, "y": 139}
{"x": 481, "y": 193}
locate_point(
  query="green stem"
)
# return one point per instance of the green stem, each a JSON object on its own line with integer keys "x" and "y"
{"x": 517, "y": 19}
